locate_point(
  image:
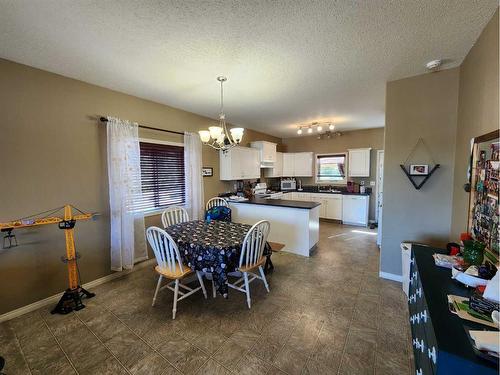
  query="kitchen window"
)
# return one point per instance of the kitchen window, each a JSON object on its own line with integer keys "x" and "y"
{"x": 162, "y": 175}
{"x": 330, "y": 168}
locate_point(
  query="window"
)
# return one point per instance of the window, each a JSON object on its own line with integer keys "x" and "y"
{"x": 330, "y": 168}
{"x": 162, "y": 176}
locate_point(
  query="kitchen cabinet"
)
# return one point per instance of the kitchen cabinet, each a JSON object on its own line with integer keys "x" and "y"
{"x": 239, "y": 163}
{"x": 359, "y": 162}
{"x": 333, "y": 210}
{"x": 277, "y": 169}
{"x": 267, "y": 153}
{"x": 331, "y": 205}
{"x": 355, "y": 209}
{"x": 288, "y": 164}
{"x": 298, "y": 164}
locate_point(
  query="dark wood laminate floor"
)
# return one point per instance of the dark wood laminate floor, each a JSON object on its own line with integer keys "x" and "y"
{"x": 328, "y": 314}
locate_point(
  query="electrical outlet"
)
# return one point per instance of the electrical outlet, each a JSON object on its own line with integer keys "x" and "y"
{"x": 372, "y": 183}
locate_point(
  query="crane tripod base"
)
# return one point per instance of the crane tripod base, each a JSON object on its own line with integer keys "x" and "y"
{"x": 72, "y": 300}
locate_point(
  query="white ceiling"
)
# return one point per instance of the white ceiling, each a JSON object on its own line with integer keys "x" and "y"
{"x": 287, "y": 62}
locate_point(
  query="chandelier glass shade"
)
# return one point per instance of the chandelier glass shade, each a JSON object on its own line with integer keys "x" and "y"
{"x": 219, "y": 137}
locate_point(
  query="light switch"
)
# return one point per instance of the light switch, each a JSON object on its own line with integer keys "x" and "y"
{"x": 372, "y": 183}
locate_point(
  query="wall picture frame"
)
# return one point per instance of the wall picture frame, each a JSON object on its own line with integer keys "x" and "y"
{"x": 419, "y": 170}
{"x": 207, "y": 171}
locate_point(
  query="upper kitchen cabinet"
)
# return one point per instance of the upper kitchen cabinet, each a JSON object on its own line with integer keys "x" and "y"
{"x": 277, "y": 169}
{"x": 267, "y": 153}
{"x": 239, "y": 163}
{"x": 303, "y": 164}
{"x": 298, "y": 164}
{"x": 359, "y": 162}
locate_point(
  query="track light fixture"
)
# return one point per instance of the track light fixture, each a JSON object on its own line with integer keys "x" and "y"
{"x": 318, "y": 126}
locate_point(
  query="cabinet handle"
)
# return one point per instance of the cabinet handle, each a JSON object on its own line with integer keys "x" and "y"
{"x": 432, "y": 354}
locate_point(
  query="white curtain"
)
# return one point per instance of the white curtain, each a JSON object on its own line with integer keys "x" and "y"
{"x": 194, "y": 180}
{"x": 128, "y": 244}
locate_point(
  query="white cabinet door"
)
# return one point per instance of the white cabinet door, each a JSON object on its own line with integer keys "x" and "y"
{"x": 288, "y": 164}
{"x": 334, "y": 207}
{"x": 239, "y": 163}
{"x": 267, "y": 151}
{"x": 303, "y": 164}
{"x": 250, "y": 163}
{"x": 355, "y": 209}
{"x": 359, "y": 162}
{"x": 231, "y": 164}
{"x": 277, "y": 170}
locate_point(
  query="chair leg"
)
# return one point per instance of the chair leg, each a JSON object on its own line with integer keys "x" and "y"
{"x": 202, "y": 284}
{"x": 263, "y": 278}
{"x": 214, "y": 291}
{"x": 247, "y": 289}
{"x": 157, "y": 289}
{"x": 176, "y": 294}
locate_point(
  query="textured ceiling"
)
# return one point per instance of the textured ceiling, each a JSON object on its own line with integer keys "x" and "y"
{"x": 287, "y": 61}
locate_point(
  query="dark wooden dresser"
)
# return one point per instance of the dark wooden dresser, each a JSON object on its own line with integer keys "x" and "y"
{"x": 440, "y": 342}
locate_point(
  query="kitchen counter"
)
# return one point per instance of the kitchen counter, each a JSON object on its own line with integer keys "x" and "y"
{"x": 293, "y": 223}
{"x": 280, "y": 203}
{"x": 326, "y": 192}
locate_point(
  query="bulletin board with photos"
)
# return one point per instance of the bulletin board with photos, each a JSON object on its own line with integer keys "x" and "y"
{"x": 484, "y": 192}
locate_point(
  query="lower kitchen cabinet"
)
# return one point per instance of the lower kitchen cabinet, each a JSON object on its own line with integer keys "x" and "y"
{"x": 331, "y": 205}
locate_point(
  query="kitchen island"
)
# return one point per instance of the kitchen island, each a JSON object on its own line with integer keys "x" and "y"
{"x": 293, "y": 223}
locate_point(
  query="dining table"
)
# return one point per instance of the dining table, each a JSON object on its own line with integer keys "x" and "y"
{"x": 212, "y": 247}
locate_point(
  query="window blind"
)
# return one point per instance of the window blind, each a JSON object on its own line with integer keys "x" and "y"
{"x": 331, "y": 167}
{"x": 162, "y": 176}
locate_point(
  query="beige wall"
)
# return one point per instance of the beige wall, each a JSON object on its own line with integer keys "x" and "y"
{"x": 373, "y": 138}
{"x": 53, "y": 152}
{"x": 422, "y": 106}
{"x": 477, "y": 112}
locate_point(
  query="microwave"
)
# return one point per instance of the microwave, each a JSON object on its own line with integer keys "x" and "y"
{"x": 288, "y": 185}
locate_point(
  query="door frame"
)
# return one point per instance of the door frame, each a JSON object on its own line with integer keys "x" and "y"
{"x": 377, "y": 187}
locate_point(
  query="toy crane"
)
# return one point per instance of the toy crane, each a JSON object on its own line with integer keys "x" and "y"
{"x": 72, "y": 297}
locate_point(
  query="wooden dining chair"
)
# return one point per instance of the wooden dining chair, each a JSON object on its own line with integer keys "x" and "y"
{"x": 252, "y": 258}
{"x": 174, "y": 215}
{"x": 216, "y": 201}
{"x": 170, "y": 266}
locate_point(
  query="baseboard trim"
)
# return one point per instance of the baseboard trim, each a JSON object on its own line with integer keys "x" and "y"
{"x": 391, "y": 276}
{"x": 55, "y": 298}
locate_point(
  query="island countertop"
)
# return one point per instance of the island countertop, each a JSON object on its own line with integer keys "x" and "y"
{"x": 280, "y": 203}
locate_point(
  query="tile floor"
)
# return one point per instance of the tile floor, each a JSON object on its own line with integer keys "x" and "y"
{"x": 327, "y": 314}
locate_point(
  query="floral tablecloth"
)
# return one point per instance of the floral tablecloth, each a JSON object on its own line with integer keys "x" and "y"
{"x": 213, "y": 247}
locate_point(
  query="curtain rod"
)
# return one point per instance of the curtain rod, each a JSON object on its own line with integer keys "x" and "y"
{"x": 104, "y": 119}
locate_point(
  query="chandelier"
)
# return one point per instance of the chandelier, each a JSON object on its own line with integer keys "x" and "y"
{"x": 217, "y": 136}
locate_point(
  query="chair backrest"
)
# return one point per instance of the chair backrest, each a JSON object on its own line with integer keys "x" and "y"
{"x": 217, "y": 201}
{"x": 165, "y": 249}
{"x": 174, "y": 215}
{"x": 254, "y": 243}
{"x": 219, "y": 213}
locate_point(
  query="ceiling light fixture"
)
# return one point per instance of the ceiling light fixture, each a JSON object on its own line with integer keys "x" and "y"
{"x": 319, "y": 126}
{"x": 219, "y": 137}
{"x": 434, "y": 65}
